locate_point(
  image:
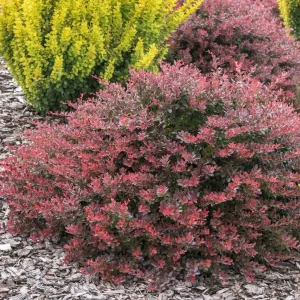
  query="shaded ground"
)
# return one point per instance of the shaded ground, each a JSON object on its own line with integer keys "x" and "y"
{"x": 35, "y": 271}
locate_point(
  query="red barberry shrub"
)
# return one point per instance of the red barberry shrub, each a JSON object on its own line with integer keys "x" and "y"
{"x": 175, "y": 173}
{"x": 248, "y": 32}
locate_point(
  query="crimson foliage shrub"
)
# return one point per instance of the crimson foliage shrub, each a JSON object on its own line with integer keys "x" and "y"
{"x": 248, "y": 33}
{"x": 175, "y": 173}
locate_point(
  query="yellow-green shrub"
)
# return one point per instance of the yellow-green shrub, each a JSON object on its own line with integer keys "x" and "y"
{"x": 290, "y": 12}
{"x": 52, "y": 46}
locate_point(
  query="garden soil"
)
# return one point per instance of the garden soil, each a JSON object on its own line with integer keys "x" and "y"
{"x": 36, "y": 270}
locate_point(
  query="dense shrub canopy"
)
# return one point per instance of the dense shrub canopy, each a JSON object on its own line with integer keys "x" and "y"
{"x": 177, "y": 172}
{"x": 52, "y": 47}
{"x": 247, "y": 33}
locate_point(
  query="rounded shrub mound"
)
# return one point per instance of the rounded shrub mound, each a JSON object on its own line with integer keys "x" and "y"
{"x": 249, "y": 33}
{"x": 174, "y": 174}
{"x": 52, "y": 47}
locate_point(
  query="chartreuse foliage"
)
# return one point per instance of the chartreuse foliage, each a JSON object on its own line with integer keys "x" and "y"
{"x": 52, "y": 47}
{"x": 290, "y": 12}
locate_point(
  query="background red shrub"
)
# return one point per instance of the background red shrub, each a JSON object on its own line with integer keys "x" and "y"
{"x": 174, "y": 173}
{"x": 248, "y": 34}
